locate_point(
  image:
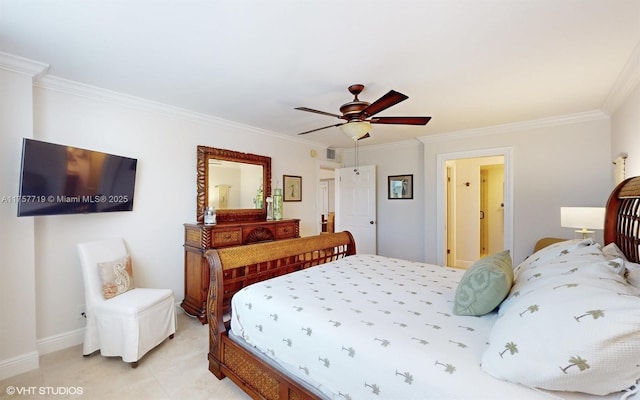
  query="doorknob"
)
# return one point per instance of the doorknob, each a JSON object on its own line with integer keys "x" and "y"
{"x": 371, "y": 222}
{"x": 481, "y": 214}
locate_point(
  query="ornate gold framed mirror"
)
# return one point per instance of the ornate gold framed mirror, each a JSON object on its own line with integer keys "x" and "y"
{"x": 235, "y": 183}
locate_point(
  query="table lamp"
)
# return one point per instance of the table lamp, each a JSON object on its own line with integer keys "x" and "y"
{"x": 585, "y": 218}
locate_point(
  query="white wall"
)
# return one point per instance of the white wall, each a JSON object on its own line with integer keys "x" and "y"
{"x": 17, "y": 286}
{"x": 556, "y": 162}
{"x": 165, "y": 145}
{"x": 625, "y": 129}
{"x": 400, "y": 223}
{"x": 42, "y": 286}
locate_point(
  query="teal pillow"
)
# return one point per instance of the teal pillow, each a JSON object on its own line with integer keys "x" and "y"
{"x": 484, "y": 285}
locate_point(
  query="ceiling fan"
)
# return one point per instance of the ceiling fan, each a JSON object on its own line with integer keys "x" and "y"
{"x": 359, "y": 115}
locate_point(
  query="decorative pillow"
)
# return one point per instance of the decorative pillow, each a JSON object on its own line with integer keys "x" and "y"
{"x": 116, "y": 277}
{"x": 484, "y": 285}
{"x": 572, "y": 324}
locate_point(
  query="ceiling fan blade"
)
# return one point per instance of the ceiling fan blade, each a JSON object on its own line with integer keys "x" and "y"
{"x": 390, "y": 99}
{"x": 319, "y": 129}
{"x": 401, "y": 120}
{"x": 318, "y": 112}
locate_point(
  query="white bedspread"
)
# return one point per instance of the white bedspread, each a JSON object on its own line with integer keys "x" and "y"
{"x": 371, "y": 327}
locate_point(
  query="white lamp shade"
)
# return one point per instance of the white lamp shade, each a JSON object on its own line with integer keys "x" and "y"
{"x": 582, "y": 217}
{"x": 356, "y": 129}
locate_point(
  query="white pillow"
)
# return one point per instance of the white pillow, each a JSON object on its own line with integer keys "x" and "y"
{"x": 633, "y": 273}
{"x": 571, "y": 324}
{"x": 550, "y": 252}
{"x": 613, "y": 251}
{"x": 616, "y": 257}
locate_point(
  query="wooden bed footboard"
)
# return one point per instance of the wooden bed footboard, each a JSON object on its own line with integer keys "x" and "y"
{"x": 232, "y": 269}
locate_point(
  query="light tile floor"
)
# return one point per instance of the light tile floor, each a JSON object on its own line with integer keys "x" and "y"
{"x": 176, "y": 369}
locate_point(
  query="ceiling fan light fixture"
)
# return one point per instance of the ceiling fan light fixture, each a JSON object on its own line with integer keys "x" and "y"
{"x": 355, "y": 129}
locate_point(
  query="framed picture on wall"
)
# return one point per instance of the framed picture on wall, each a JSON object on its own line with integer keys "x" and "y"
{"x": 292, "y": 188}
{"x": 400, "y": 187}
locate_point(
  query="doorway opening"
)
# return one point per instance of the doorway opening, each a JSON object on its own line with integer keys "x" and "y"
{"x": 326, "y": 202}
{"x": 474, "y": 210}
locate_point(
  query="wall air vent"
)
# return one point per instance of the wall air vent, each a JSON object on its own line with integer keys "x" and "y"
{"x": 331, "y": 154}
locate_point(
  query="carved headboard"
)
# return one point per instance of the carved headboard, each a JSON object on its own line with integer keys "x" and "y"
{"x": 622, "y": 218}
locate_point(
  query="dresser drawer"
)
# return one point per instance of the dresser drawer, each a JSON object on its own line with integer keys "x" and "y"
{"x": 286, "y": 231}
{"x": 226, "y": 237}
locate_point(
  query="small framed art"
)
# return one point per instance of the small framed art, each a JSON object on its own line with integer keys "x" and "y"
{"x": 400, "y": 187}
{"x": 292, "y": 188}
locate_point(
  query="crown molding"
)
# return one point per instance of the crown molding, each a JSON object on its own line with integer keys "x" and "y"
{"x": 112, "y": 97}
{"x": 624, "y": 84}
{"x": 516, "y": 126}
{"x": 22, "y": 65}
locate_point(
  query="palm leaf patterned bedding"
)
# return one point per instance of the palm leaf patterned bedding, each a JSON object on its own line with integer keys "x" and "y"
{"x": 371, "y": 327}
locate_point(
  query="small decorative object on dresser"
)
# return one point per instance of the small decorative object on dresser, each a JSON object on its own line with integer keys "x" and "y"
{"x": 277, "y": 204}
{"x": 292, "y": 188}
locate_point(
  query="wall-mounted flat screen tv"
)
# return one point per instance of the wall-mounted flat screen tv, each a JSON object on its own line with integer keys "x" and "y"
{"x": 57, "y": 179}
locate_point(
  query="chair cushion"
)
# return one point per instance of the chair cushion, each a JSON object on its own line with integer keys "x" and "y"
{"x": 116, "y": 276}
{"x": 135, "y": 301}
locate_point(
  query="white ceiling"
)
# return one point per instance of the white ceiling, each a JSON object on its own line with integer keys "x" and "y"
{"x": 466, "y": 63}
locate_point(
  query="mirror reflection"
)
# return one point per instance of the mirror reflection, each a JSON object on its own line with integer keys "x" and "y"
{"x": 234, "y": 185}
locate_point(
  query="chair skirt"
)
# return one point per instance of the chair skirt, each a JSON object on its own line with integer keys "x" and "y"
{"x": 117, "y": 328}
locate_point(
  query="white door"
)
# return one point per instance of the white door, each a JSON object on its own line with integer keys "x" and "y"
{"x": 356, "y": 206}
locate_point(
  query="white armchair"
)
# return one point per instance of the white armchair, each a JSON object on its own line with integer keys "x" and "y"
{"x": 130, "y": 323}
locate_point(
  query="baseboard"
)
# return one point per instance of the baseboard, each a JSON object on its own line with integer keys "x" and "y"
{"x": 30, "y": 361}
{"x": 18, "y": 365}
{"x": 60, "y": 342}
{"x": 68, "y": 339}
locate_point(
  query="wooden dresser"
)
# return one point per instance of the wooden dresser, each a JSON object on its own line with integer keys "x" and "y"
{"x": 198, "y": 238}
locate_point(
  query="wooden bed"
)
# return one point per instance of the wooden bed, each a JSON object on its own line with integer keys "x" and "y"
{"x": 234, "y": 268}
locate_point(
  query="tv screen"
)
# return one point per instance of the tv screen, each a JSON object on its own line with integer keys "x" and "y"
{"x": 57, "y": 179}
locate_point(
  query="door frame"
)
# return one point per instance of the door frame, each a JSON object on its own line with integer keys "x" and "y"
{"x": 441, "y": 195}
